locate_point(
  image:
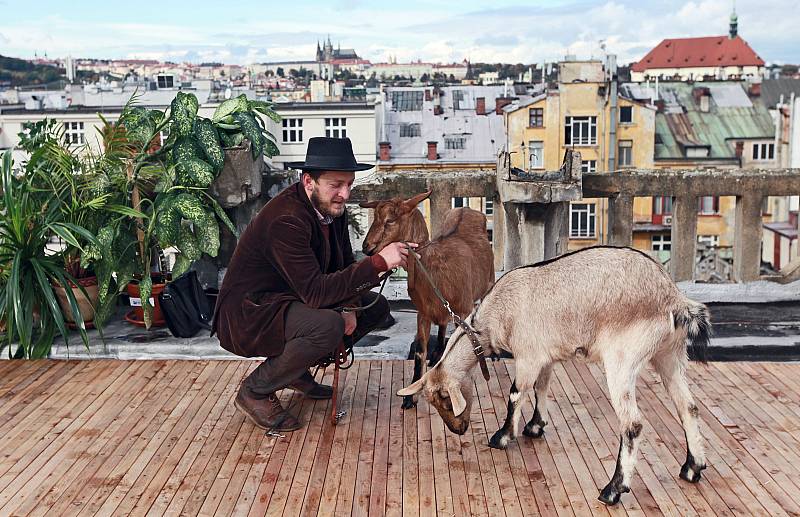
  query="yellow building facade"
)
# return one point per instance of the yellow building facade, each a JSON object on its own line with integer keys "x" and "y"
{"x": 578, "y": 115}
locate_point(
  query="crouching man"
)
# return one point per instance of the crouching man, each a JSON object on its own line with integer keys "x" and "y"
{"x": 292, "y": 266}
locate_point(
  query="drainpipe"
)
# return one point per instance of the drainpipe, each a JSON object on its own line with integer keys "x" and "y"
{"x": 791, "y": 130}
{"x": 612, "y": 132}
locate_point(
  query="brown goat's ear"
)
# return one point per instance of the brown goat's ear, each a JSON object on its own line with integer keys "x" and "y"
{"x": 413, "y": 389}
{"x": 457, "y": 399}
{"x": 411, "y": 204}
{"x": 368, "y": 204}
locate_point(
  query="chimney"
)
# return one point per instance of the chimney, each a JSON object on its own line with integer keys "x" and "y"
{"x": 432, "y": 154}
{"x": 438, "y": 110}
{"x": 755, "y": 90}
{"x": 480, "y": 105}
{"x": 660, "y": 105}
{"x": 383, "y": 153}
{"x": 739, "y": 150}
{"x": 702, "y": 96}
{"x": 500, "y": 102}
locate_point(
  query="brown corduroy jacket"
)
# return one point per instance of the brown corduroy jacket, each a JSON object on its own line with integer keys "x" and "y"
{"x": 282, "y": 257}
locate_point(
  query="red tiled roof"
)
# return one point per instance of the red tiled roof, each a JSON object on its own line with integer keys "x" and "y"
{"x": 699, "y": 52}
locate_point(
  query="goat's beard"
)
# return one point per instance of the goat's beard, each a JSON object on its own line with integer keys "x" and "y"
{"x": 326, "y": 208}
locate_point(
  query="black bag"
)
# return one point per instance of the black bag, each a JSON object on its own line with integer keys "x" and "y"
{"x": 185, "y": 306}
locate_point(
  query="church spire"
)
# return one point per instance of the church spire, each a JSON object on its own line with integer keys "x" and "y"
{"x": 734, "y": 26}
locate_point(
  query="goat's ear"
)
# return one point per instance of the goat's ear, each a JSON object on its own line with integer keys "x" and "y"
{"x": 411, "y": 204}
{"x": 368, "y": 204}
{"x": 413, "y": 389}
{"x": 457, "y": 399}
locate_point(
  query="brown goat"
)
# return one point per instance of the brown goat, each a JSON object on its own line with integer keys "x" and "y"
{"x": 459, "y": 260}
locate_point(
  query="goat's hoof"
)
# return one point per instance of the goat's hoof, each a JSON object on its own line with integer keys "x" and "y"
{"x": 408, "y": 402}
{"x": 500, "y": 440}
{"x": 610, "y": 494}
{"x": 691, "y": 472}
{"x": 535, "y": 431}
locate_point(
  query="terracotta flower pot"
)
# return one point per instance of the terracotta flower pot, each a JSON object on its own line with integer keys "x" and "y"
{"x": 136, "y": 315}
{"x": 86, "y": 306}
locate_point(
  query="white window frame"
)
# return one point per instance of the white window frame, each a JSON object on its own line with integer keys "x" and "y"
{"x": 588, "y": 166}
{"x": 455, "y": 143}
{"x": 74, "y": 132}
{"x": 166, "y": 78}
{"x": 661, "y": 242}
{"x": 536, "y": 150}
{"x": 410, "y": 130}
{"x": 709, "y": 240}
{"x": 581, "y": 131}
{"x": 763, "y": 151}
{"x": 336, "y": 127}
{"x": 458, "y": 202}
{"x": 585, "y": 215}
{"x": 488, "y": 206}
{"x": 292, "y": 130}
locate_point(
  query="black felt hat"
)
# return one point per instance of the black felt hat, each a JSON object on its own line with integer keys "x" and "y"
{"x": 330, "y": 154}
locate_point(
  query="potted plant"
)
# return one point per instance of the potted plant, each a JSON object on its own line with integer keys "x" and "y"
{"x": 27, "y": 303}
{"x": 169, "y": 183}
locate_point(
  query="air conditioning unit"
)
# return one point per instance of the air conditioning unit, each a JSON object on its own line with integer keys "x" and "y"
{"x": 666, "y": 220}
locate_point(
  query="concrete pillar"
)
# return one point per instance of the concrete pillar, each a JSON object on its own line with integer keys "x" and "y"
{"x": 498, "y": 232}
{"x": 534, "y": 232}
{"x": 512, "y": 239}
{"x": 556, "y": 229}
{"x": 441, "y": 202}
{"x": 747, "y": 238}
{"x": 684, "y": 237}
{"x": 620, "y": 220}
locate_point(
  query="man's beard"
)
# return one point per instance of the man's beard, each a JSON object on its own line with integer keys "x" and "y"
{"x": 326, "y": 209}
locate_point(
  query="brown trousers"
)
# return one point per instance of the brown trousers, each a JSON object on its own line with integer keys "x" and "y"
{"x": 311, "y": 334}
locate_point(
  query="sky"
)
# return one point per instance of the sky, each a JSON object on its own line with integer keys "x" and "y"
{"x": 241, "y": 32}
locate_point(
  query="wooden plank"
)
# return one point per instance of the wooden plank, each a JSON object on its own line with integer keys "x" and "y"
{"x": 394, "y": 471}
{"x": 427, "y": 489}
{"x": 118, "y": 464}
{"x": 166, "y": 481}
{"x": 344, "y": 500}
{"x": 333, "y": 474}
{"x": 30, "y": 469}
{"x": 644, "y": 481}
{"x": 99, "y": 468}
{"x": 66, "y": 472}
{"x": 441, "y": 469}
{"x": 366, "y": 451}
{"x": 17, "y": 376}
{"x": 411, "y": 487}
{"x": 492, "y": 405}
{"x": 666, "y": 426}
{"x": 380, "y": 467}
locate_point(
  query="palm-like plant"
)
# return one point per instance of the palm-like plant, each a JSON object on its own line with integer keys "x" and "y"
{"x": 28, "y": 219}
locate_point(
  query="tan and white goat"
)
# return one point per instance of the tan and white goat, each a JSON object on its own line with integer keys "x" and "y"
{"x": 459, "y": 259}
{"x": 607, "y": 304}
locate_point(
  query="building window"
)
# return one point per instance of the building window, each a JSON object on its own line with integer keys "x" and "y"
{"x": 580, "y": 131}
{"x": 73, "y": 133}
{"x": 582, "y": 220}
{"x": 407, "y": 101}
{"x": 626, "y": 114}
{"x": 708, "y": 205}
{"x": 536, "y": 117}
{"x": 537, "y": 155}
{"x": 292, "y": 130}
{"x": 712, "y": 241}
{"x": 763, "y": 152}
{"x": 662, "y": 205}
{"x": 335, "y": 127}
{"x": 488, "y": 206}
{"x": 455, "y": 142}
{"x": 410, "y": 130}
{"x": 588, "y": 166}
{"x": 458, "y": 98}
{"x": 661, "y": 242}
{"x": 165, "y": 81}
{"x": 459, "y": 202}
{"x": 625, "y": 153}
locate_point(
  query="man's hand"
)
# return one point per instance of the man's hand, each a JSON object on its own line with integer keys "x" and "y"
{"x": 396, "y": 254}
{"x": 349, "y": 322}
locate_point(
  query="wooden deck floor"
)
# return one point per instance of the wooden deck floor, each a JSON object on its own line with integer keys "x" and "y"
{"x": 163, "y": 438}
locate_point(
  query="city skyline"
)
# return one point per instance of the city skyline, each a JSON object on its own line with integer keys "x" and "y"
{"x": 434, "y": 32}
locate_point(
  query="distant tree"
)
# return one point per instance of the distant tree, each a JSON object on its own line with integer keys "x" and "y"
{"x": 279, "y": 71}
{"x": 452, "y": 78}
{"x": 425, "y": 78}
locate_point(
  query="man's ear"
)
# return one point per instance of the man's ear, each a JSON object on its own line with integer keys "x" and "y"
{"x": 411, "y": 204}
{"x": 413, "y": 389}
{"x": 368, "y": 204}
{"x": 457, "y": 398}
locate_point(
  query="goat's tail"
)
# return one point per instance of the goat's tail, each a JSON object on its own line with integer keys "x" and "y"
{"x": 695, "y": 318}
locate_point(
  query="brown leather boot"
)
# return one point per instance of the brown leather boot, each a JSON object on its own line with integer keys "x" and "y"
{"x": 266, "y": 413}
